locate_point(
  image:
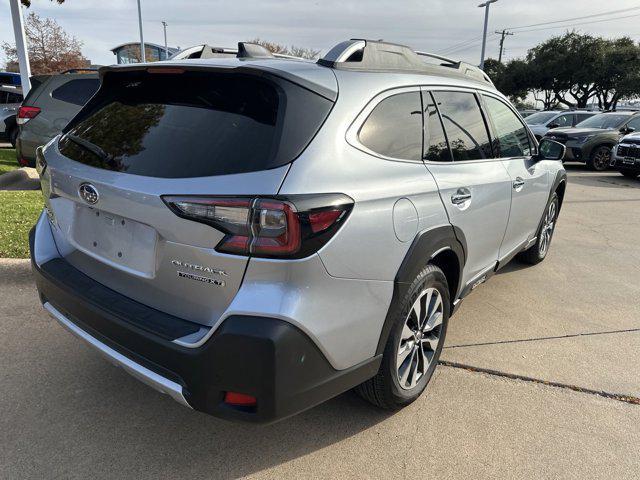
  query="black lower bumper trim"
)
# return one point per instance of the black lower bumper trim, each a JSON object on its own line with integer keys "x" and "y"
{"x": 267, "y": 358}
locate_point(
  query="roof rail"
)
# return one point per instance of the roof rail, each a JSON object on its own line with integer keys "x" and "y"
{"x": 376, "y": 55}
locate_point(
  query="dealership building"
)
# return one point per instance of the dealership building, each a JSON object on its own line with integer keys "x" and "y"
{"x": 130, "y": 52}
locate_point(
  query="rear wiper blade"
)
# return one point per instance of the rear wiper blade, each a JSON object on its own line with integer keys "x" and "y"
{"x": 87, "y": 145}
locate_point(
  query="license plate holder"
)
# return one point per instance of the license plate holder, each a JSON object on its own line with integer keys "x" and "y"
{"x": 115, "y": 240}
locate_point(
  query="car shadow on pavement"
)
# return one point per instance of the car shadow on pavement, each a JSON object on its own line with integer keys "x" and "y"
{"x": 72, "y": 407}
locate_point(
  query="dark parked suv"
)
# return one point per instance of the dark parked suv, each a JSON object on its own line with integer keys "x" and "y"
{"x": 592, "y": 140}
{"x": 52, "y": 101}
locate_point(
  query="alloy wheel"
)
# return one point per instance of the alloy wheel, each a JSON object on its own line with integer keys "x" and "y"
{"x": 420, "y": 337}
{"x": 602, "y": 158}
{"x": 547, "y": 228}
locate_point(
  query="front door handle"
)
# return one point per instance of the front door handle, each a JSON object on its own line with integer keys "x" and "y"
{"x": 518, "y": 183}
{"x": 461, "y": 196}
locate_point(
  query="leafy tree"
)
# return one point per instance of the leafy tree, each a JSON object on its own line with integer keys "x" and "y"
{"x": 617, "y": 72}
{"x": 512, "y": 79}
{"x": 565, "y": 67}
{"x": 50, "y": 48}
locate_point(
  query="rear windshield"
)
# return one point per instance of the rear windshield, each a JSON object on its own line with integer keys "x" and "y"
{"x": 193, "y": 124}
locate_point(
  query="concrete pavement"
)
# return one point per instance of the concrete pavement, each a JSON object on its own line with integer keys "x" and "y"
{"x": 573, "y": 320}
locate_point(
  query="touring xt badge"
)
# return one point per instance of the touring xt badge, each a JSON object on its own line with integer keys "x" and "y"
{"x": 200, "y": 268}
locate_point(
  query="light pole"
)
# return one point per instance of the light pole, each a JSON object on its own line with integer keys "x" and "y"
{"x": 166, "y": 49}
{"x": 142, "y": 55}
{"x": 21, "y": 46}
{"x": 486, "y": 23}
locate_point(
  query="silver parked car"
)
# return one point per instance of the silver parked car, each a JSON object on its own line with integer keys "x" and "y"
{"x": 10, "y": 99}
{"x": 282, "y": 231}
{"x": 541, "y": 122}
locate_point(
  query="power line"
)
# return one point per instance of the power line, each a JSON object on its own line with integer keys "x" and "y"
{"x": 611, "y": 12}
{"x": 461, "y": 44}
{"x": 578, "y": 24}
{"x": 477, "y": 43}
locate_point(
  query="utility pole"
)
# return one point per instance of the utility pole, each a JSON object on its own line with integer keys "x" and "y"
{"x": 166, "y": 49}
{"x": 503, "y": 34}
{"x": 485, "y": 5}
{"x": 142, "y": 54}
{"x": 21, "y": 45}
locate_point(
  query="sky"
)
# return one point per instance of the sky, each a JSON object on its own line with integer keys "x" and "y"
{"x": 450, "y": 27}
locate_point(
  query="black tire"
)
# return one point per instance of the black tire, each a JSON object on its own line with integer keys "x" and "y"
{"x": 629, "y": 173}
{"x": 13, "y": 136}
{"x": 537, "y": 253}
{"x": 600, "y": 158}
{"x": 384, "y": 390}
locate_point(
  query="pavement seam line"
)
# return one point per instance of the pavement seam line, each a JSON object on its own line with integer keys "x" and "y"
{"x": 513, "y": 376}
{"x": 558, "y": 337}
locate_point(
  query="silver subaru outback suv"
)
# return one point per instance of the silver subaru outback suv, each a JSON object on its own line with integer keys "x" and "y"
{"x": 253, "y": 236}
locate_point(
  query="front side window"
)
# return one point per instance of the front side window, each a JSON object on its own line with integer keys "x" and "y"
{"x": 394, "y": 127}
{"x": 511, "y": 134}
{"x": 634, "y": 123}
{"x": 436, "y": 148}
{"x": 465, "y": 127}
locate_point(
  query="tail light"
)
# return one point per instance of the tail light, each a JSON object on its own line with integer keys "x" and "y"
{"x": 26, "y": 113}
{"x": 282, "y": 227}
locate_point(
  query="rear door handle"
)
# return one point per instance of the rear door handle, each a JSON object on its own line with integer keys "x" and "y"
{"x": 518, "y": 183}
{"x": 461, "y": 196}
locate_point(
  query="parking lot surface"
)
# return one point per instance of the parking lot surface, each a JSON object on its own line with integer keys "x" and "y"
{"x": 572, "y": 321}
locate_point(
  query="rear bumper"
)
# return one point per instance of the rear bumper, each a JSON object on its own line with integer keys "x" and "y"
{"x": 26, "y": 145}
{"x": 267, "y": 358}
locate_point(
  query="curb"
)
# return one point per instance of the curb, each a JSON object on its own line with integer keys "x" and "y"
{"x": 18, "y": 180}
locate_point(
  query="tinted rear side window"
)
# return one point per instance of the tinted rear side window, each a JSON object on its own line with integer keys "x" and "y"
{"x": 394, "y": 127}
{"x": 436, "y": 148}
{"x": 464, "y": 125}
{"x": 194, "y": 124}
{"x": 77, "y": 91}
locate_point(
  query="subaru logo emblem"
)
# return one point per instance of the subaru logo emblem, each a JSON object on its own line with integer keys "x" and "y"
{"x": 88, "y": 193}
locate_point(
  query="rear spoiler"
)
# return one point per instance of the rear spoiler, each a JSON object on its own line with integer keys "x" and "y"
{"x": 266, "y": 71}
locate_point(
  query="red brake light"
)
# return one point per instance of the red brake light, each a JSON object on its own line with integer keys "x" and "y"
{"x": 240, "y": 399}
{"x": 26, "y": 113}
{"x": 267, "y": 227}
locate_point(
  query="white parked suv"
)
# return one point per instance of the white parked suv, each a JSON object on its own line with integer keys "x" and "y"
{"x": 283, "y": 230}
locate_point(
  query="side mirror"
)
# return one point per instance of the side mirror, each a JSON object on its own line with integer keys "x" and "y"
{"x": 626, "y": 130}
{"x": 550, "y": 150}
{"x": 554, "y": 125}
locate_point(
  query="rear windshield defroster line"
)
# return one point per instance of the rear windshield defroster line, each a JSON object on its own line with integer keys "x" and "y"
{"x": 193, "y": 124}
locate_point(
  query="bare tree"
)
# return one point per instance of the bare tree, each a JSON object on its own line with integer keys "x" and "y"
{"x": 293, "y": 50}
{"x": 51, "y": 49}
{"x": 27, "y": 3}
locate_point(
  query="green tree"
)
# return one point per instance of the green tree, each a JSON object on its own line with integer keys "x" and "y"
{"x": 512, "y": 78}
{"x": 617, "y": 72}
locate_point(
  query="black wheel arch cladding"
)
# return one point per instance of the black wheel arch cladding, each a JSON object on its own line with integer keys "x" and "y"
{"x": 425, "y": 247}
